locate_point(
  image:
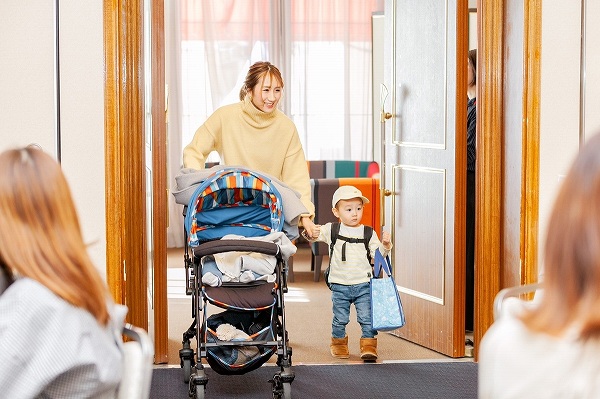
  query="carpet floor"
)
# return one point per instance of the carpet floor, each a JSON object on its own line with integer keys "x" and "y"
{"x": 308, "y": 318}
{"x": 414, "y": 380}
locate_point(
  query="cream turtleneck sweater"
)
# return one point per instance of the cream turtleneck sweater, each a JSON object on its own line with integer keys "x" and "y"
{"x": 246, "y": 136}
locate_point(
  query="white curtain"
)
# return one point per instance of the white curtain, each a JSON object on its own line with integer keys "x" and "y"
{"x": 322, "y": 47}
{"x": 331, "y": 77}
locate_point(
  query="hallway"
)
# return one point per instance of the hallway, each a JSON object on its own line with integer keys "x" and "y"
{"x": 308, "y": 318}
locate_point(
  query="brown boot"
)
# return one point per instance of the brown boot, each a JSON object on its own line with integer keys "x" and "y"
{"x": 339, "y": 347}
{"x": 368, "y": 349}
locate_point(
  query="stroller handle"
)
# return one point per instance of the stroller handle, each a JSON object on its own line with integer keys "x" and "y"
{"x": 245, "y": 245}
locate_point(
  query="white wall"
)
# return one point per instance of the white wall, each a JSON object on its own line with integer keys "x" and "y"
{"x": 27, "y": 98}
{"x": 27, "y": 74}
{"x": 82, "y": 116}
{"x": 559, "y": 104}
{"x": 472, "y": 30}
{"x": 592, "y": 68}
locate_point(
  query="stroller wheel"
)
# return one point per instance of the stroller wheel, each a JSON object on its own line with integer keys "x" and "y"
{"x": 187, "y": 370}
{"x": 186, "y": 360}
{"x": 200, "y": 390}
{"x": 281, "y": 389}
{"x": 287, "y": 390}
{"x": 197, "y": 385}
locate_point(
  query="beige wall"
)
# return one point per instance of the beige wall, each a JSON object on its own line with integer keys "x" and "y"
{"x": 559, "y": 117}
{"x": 28, "y": 106}
{"x": 27, "y": 74}
{"x": 592, "y": 68}
{"x": 27, "y": 98}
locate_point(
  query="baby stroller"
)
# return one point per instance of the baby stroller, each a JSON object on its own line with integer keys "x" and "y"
{"x": 233, "y": 212}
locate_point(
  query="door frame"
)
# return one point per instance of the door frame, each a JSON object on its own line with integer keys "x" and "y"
{"x": 490, "y": 249}
{"x": 124, "y": 140}
{"x": 126, "y": 249}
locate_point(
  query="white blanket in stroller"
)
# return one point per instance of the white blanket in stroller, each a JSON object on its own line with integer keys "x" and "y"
{"x": 236, "y": 266}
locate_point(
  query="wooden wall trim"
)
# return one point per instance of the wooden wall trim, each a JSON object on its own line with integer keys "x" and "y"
{"x": 531, "y": 141}
{"x": 125, "y": 157}
{"x": 490, "y": 133}
{"x": 462, "y": 50}
{"x": 114, "y": 211}
{"x": 160, "y": 191}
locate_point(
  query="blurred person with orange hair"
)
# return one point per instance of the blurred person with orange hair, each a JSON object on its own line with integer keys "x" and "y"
{"x": 550, "y": 347}
{"x": 60, "y": 332}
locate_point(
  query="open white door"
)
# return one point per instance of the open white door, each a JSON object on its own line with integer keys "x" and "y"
{"x": 421, "y": 133}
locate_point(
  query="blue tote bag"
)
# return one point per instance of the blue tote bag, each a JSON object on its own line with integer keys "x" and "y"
{"x": 386, "y": 308}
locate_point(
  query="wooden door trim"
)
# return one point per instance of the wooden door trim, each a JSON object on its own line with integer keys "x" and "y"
{"x": 112, "y": 123}
{"x": 489, "y": 177}
{"x": 462, "y": 48}
{"x": 531, "y": 138}
{"x": 125, "y": 165}
{"x": 159, "y": 181}
{"x": 490, "y": 146}
{"x": 126, "y": 259}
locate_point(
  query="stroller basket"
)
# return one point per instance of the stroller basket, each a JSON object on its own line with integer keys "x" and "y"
{"x": 227, "y": 358}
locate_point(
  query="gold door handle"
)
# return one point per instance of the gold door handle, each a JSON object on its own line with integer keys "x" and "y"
{"x": 386, "y": 192}
{"x": 385, "y": 115}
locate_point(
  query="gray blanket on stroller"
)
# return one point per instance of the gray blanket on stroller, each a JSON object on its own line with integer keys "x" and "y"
{"x": 187, "y": 180}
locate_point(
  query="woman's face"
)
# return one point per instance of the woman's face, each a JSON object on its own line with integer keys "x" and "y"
{"x": 267, "y": 93}
{"x": 470, "y": 73}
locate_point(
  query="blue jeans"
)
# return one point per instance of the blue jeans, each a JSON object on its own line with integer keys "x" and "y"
{"x": 342, "y": 296}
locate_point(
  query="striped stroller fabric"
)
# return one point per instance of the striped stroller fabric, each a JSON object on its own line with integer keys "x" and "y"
{"x": 233, "y": 201}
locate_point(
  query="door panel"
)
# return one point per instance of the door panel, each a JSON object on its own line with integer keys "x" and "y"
{"x": 420, "y": 222}
{"x": 420, "y": 143}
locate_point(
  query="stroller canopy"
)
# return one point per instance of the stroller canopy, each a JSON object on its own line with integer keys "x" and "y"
{"x": 233, "y": 201}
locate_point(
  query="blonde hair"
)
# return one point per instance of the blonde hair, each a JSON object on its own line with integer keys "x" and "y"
{"x": 40, "y": 236}
{"x": 571, "y": 282}
{"x": 257, "y": 71}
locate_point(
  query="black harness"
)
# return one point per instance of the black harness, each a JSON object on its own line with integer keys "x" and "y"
{"x": 335, "y": 234}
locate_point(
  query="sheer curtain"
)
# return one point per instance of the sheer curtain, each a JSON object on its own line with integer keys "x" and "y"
{"x": 331, "y": 77}
{"x": 322, "y": 47}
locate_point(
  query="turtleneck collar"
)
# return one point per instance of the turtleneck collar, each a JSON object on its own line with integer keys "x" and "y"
{"x": 256, "y": 117}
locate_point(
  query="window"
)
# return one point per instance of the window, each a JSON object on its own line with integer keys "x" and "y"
{"x": 328, "y": 84}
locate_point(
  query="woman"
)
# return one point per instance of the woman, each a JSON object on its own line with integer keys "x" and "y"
{"x": 550, "y": 348}
{"x": 255, "y": 134}
{"x": 471, "y": 156}
{"x": 60, "y": 334}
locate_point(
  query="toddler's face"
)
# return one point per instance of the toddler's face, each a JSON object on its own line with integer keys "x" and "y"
{"x": 349, "y": 211}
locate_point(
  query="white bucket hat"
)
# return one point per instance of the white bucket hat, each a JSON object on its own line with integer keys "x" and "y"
{"x": 346, "y": 193}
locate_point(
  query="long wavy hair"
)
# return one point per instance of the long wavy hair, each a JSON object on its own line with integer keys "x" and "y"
{"x": 40, "y": 235}
{"x": 571, "y": 283}
{"x": 257, "y": 71}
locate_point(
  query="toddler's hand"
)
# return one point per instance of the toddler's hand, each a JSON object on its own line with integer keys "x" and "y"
{"x": 316, "y": 231}
{"x": 312, "y": 234}
{"x": 386, "y": 239}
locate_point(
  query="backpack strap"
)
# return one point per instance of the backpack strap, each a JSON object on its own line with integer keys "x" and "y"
{"x": 368, "y": 233}
{"x": 335, "y": 234}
